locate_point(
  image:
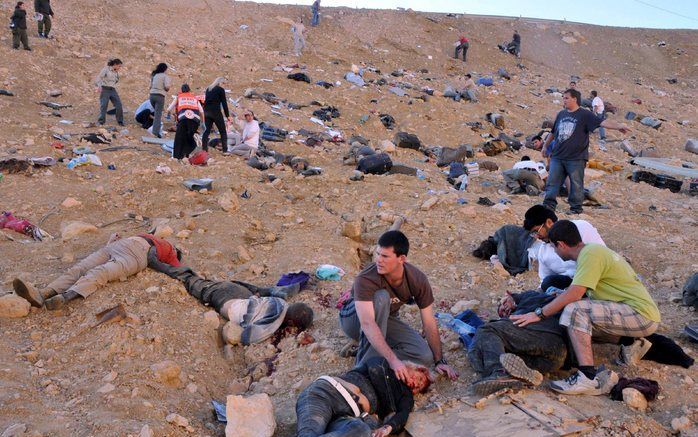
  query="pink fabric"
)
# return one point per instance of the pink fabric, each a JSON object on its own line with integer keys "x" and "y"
{"x": 23, "y": 226}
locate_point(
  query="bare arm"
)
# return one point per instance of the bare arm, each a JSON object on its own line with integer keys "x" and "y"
{"x": 614, "y": 125}
{"x": 431, "y": 331}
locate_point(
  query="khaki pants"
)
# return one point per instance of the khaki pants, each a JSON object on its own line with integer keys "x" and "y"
{"x": 117, "y": 260}
{"x": 19, "y": 35}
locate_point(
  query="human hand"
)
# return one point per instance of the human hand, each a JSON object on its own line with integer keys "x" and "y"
{"x": 400, "y": 370}
{"x": 445, "y": 369}
{"x": 522, "y": 320}
{"x": 506, "y": 305}
{"x": 98, "y": 89}
{"x": 382, "y": 431}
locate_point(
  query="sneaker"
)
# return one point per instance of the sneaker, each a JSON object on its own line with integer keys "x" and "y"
{"x": 55, "y": 303}
{"x": 499, "y": 380}
{"x": 631, "y": 355}
{"x": 517, "y": 368}
{"x": 574, "y": 211}
{"x": 27, "y": 291}
{"x": 607, "y": 379}
{"x": 576, "y": 384}
{"x": 285, "y": 291}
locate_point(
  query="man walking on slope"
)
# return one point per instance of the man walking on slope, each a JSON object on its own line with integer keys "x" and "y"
{"x": 571, "y": 153}
{"x": 43, "y": 7}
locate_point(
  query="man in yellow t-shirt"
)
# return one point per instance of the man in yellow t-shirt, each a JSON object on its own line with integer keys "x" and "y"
{"x": 618, "y": 304}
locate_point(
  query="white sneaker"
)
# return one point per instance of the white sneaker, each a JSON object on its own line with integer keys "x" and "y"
{"x": 576, "y": 384}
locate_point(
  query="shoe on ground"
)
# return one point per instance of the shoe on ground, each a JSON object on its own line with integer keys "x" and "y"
{"x": 499, "y": 380}
{"x": 28, "y": 292}
{"x": 576, "y": 384}
{"x": 121, "y": 123}
{"x": 574, "y": 211}
{"x": 55, "y": 303}
{"x": 607, "y": 379}
{"x": 28, "y": 49}
{"x": 349, "y": 350}
{"x": 517, "y": 368}
{"x": 286, "y": 291}
{"x": 631, "y": 355}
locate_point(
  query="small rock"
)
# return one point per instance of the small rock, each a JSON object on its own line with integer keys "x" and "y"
{"x": 167, "y": 372}
{"x": 54, "y": 93}
{"x": 677, "y": 423}
{"x": 211, "y": 320}
{"x": 228, "y": 201}
{"x": 634, "y": 399}
{"x": 146, "y": 432}
{"x": 68, "y": 258}
{"x": 16, "y": 430}
{"x": 352, "y": 230}
{"x": 72, "y": 229}
{"x": 192, "y": 388}
{"x": 106, "y": 388}
{"x": 13, "y": 306}
{"x": 676, "y": 297}
{"x": 430, "y": 202}
{"x": 250, "y": 417}
{"x": 70, "y": 202}
{"x": 243, "y": 255}
{"x": 178, "y": 420}
{"x": 463, "y": 305}
{"x": 386, "y": 146}
{"x": 163, "y": 231}
{"x": 184, "y": 234}
{"x": 109, "y": 377}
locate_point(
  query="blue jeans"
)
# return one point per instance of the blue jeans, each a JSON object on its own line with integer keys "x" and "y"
{"x": 316, "y": 18}
{"x": 559, "y": 170}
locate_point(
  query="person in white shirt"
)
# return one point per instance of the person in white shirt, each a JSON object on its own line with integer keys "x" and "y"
{"x": 526, "y": 176}
{"x": 600, "y": 111}
{"x": 247, "y": 143}
{"x": 552, "y": 270}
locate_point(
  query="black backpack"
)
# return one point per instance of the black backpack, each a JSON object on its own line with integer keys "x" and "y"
{"x": 379, "y": 163}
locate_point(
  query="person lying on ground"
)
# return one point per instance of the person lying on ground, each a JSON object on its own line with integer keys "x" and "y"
{"x": 552, "y": 270}
{"x": 247, "y": 143}
{"x": 507, "y": 356}
{"x": 526, "y": 177}
{"x": 120, "y": 258}
{"x": 462, "y": 87}
{"x": 619, "y": 305}
{"x": 253, "y": 313}
{"x": 371, "y": 314}
{"x": 344, "y": 405}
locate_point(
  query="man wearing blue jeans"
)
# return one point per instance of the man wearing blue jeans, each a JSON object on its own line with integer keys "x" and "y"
{"x": 571, "y": 153}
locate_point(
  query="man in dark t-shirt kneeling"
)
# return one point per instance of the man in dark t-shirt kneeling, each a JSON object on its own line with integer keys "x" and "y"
{"x": 371, "y": 316}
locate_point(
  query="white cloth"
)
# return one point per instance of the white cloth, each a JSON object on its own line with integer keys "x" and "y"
{"x": 145, "y": 106}
{"x": 549, "y": 263}
{"x": 532, "y": 165}
{"x": 250, "y": 130}
{"x": 597, "y": 102}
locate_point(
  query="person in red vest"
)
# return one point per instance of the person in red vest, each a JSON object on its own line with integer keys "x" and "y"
{"x": 120, "y": 258}
{"x": 462, "y": 44}
{"x": 190, "y": 115}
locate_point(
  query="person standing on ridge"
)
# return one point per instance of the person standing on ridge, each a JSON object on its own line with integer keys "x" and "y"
{"x": 160, "y": 84}
{"x": 106, "y": 87}
{"x": 18, "y": 23}
{"x": 215, "y": 99}
{"x": 463, "y": 44}
{"x": 43, "y": 7}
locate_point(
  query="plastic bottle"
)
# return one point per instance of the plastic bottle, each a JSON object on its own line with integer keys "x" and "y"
{"x": 460, "y": 327}
{"x": 463, "y": 183}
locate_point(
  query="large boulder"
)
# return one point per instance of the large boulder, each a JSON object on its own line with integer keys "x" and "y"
{"x": 250, "y": 416}
{"x": 72, "y": 229}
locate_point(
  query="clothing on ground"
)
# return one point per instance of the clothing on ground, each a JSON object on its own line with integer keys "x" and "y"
{"x": 648, "y": 387}
{"x": 512, "y": 248}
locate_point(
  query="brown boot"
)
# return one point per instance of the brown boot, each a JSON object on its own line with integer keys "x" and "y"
{"x": 28, "y": 292}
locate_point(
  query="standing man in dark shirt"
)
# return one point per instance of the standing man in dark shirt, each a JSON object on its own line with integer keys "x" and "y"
{"x": 571, "y": 153}
{"x": 19, "y": 27}
{"x": 215, "y": 99}
{"x": 43, "y": 7}
{"x": 371, "y": 316}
